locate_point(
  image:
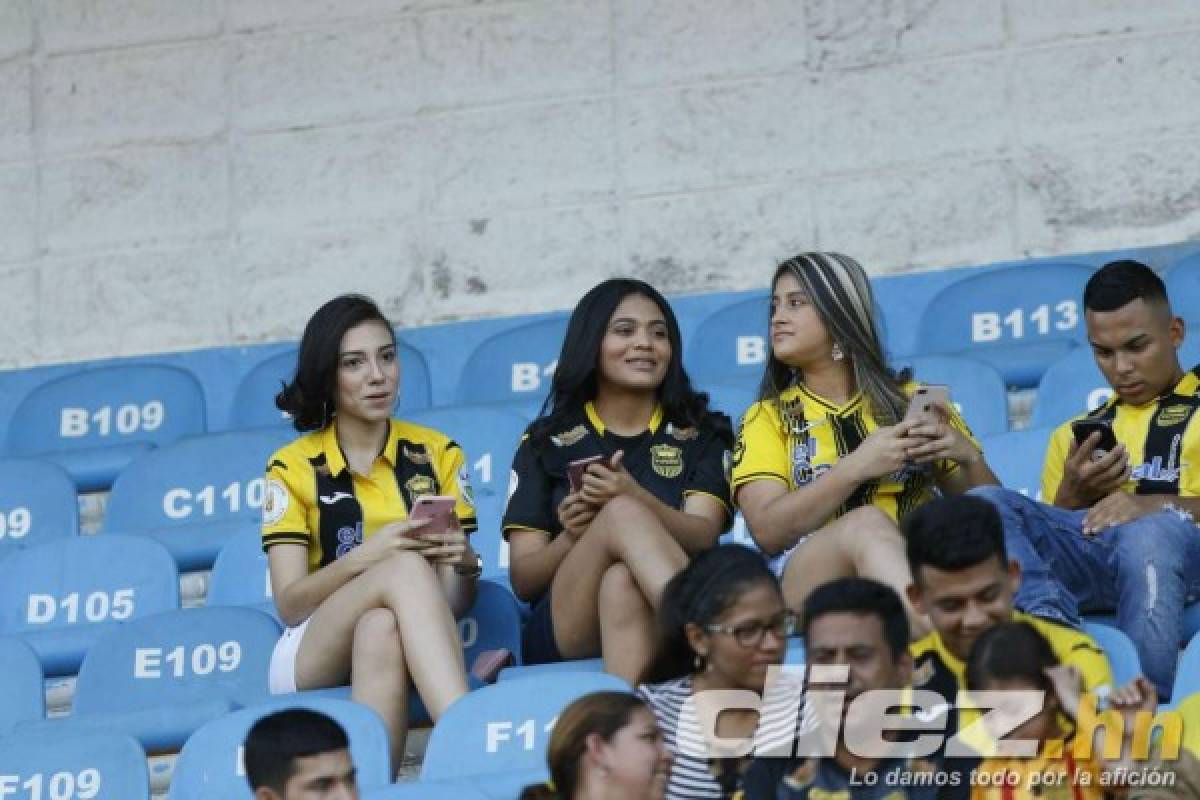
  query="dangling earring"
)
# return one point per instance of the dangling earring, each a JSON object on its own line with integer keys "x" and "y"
{"x": 836, "y": 353}
{"x": 325, "y": 414}
{"x": 699, "y": 663}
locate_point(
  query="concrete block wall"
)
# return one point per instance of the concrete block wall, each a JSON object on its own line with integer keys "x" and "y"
{"x": 183, "y": 173}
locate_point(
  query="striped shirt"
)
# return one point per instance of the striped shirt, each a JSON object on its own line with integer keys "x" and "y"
{"x": 674, "y": 707}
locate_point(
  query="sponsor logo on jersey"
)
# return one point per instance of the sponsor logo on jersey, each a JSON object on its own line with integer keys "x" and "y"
{"x": 348, "y": 538}
{"x": 333, "y": 498}
{"x": 682, "y": 434}
{"x": 568, "y": 438}
{"x": 1172, "y": 415}
{"x": 417, "y": 455}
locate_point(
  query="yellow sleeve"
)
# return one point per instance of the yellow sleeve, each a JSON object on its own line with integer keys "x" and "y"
{"x": 455, "y": 480}
{"x": 1056, "y": 459}
{"x": 287, "y": 497}
{"x": 761, "y": 449}
{"x": 1087, "y": 657}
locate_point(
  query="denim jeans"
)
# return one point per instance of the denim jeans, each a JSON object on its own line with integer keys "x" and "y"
{"x": 1147, "y": 570}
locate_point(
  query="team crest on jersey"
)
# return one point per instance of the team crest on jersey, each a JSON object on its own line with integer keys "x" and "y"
{"x": 419, "y": 485}
{"x": 667, "y": 460}
{"x": 417, "y": 455}
{"x": 275, "y": 502}
{"x": 682, "y": 434}
{"x": 568, "y": 438}
{"x": 1172, "y": 415}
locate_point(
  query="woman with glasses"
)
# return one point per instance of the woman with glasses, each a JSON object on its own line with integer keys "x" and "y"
{"x": 722, "y": 626}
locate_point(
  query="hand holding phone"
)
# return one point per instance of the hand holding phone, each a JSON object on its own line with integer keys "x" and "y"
{"x": 923, "y": 406}
{"x": 1083, "y": 428}
{"x": 439, "y": 510}
{"x": 577, "y": 468}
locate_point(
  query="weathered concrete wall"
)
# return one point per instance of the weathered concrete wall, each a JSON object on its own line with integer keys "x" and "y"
{"x": 179, "y": 173}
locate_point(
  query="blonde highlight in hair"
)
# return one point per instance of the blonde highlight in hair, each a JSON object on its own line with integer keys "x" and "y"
{"x": 839, "y": 290}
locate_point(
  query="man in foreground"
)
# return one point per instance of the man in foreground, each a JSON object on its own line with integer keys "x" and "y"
{"x": 299, "y": 754}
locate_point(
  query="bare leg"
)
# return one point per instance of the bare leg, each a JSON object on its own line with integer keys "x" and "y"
{"x": 864, "y": 542}
{"x": 623, "y": 532}
{"x": 626, "y": 625}
{"x": 407, "y": 586}
{"x": 378, "y": 677}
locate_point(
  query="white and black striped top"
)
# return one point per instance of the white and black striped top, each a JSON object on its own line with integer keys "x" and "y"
{"x": 674, "y": 708}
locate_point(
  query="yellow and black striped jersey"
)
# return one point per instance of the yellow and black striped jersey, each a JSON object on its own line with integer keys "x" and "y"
{"x": 801, "y": 436}
{"x": 314, "y": 499}
{"x": 1161, "y": 438}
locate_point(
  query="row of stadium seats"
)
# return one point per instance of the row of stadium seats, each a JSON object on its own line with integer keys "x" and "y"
{"x": 1012, "y": 323}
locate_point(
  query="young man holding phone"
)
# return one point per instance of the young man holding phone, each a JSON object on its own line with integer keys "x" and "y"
{"x": 1123, "y": 481}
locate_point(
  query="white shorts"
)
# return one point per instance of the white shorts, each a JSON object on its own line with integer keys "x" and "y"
{"x": 282, "y": 676}
{"x": 779, "y": 563}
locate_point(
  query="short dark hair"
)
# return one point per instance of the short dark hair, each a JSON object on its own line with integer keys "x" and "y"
{"x": 277, "y": 740}
{"x": 309, "y": 396}
{"x": 952, "y": 534}
{"x": 860, "y": 596}
{"x": 1119, "y": 283}
{"x": 1008, "y": 651}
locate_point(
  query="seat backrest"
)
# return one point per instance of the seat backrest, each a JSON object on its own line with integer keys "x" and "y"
{"x": 89, "y": 766}
{"x": 1032, "y": 304}
{"x": 179, "y": 657}
{"x": 240, "y": 576}
{"x": 513, "y": 366}
{"x": 211, "y": 764}
{"x": 494, "y": 621}
{"x": 505, "y": 727}
{"x": 212, "y": 478}
{"x": 1187, "y": 674}
{"x": 1122, "y": 655}
{"x": 976, "y": 389}
{"x": 731, "y": 398}
{"x": 22, "y": 697}
{"x": 426, "y": 790}
{"x": 85, "y": 580}
{"x": 1016, "y": 457}
{"x": 254, "y": 400}
{"x": 1183, "y": 287}
{"x": 37, "y": 504}
{"x": 119, "y": 404}
{"x": 731, "y": 343}
{"x": 488, "y": 436}
{"x": 1074, "y": 384}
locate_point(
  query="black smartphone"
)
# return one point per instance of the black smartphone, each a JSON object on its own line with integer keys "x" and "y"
{"x": 1083, "y": 428}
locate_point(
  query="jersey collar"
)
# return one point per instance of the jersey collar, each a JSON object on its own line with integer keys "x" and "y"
{"x": 850, "y": 405}
{"x": 335, "y": 459}
{"x": 598, "y": 424}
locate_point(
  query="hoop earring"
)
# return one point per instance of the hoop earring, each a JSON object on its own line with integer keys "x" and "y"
{"x": 836, "y": 352}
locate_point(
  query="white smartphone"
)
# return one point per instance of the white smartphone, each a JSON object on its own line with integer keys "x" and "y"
{"x": 922, "y": 407}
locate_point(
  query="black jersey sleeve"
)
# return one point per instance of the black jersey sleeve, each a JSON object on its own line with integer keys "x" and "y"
{"x": 530, "y": 494}
{"x": 714, "y": 460}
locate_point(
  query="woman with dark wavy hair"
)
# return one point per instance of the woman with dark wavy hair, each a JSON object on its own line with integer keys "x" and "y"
{"x": 367, "y": 596}
{"x": 593, "y": 557}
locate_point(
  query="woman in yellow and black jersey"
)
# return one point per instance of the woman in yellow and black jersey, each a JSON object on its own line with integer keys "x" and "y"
{"x": 366, "y": 595}
{"x": 594, "y": 560}
{"x": 824, "y": 463}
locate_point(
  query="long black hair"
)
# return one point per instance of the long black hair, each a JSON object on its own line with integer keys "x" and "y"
{"x": 839, "y": 291}
{"x": 574, "y": 382}
{"x": 309, "y": 398}
{"x": 706, "y": 588}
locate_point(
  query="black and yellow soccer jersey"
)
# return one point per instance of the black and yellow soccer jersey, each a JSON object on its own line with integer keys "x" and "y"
{"x": 669, "y": 461}
{"x": 801, "y": 437}
{"x": 937, "y": 670}
{"x": 1161, "y": 438}
{"x": 314, "y": 499}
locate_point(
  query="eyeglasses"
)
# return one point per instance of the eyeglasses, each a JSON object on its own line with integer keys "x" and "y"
{"x": 750, "y": 634}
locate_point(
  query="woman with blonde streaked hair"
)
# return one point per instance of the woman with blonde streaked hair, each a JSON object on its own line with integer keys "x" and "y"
{"x": 825, "y": 462}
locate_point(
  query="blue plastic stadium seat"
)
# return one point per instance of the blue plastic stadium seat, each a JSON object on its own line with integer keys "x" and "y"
{"x": 796, "y": 653}
{"x": 160, "y": 678}
{"x": 730, "y": 345}
{"x": 1191, "y": 620}
{"x": 240, "y": 576}
{"x": 504, "y": 728}
{"x": 1074, "y": 385}
{"x": 254, "y": 400}
{"x": 62, "y": 596}
{"x": 105, "y": 766}
{"x": 514, "y": 366}
{"x": 93, "y": 423}
{"x": 488, "y": 436}
{"x": 22, "y": 697}
{"x": 1183, "y": 287}
{"x": 194, "y": 494}
{"x": 37, "y": 504}
{"x": 210, "y": 765}
{"x": 1121, "y": 652}
{"x": 731, "y": 398}
{"x": 493, "y": 622}
{"x": 1187, "y": 673}
{"x": 553, "y": 667}
{"x": 1016, "y": 458}
{"x": 429, "y": 790}
{"x": 976, "y": 389}
{"x": 1019, "y": 319}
